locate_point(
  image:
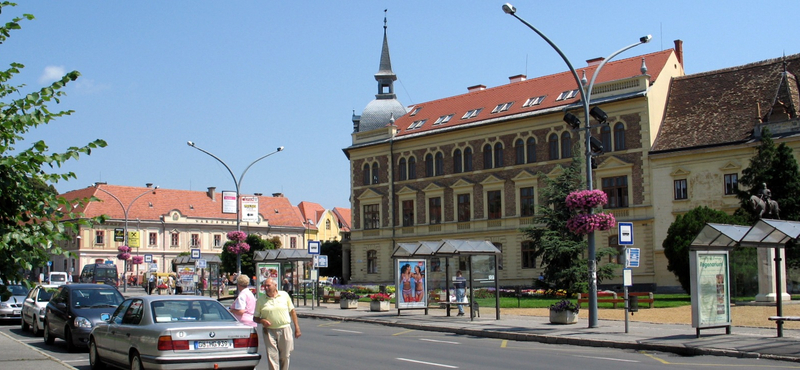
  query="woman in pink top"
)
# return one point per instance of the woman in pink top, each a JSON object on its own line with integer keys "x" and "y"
{"x": 244, "y": 306}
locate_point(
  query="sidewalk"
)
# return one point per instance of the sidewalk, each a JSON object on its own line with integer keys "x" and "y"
{"x": 674, "y": 338}
{"x": 20, "y": 356}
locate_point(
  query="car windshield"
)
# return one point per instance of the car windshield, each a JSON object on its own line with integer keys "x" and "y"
{"x": 103, "y": 273}
{"x": 17, "y": 290}
{"x": 58, "y": 278}
{"x": 185, "y": 310}
{"x": 96, "y": 298}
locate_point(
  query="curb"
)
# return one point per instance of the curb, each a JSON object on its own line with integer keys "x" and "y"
{"x": 49, "y": 357}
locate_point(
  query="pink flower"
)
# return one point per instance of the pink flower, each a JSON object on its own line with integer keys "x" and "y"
{"x": 124, "y": 256}
{"x": 124, "y": 249}
{"x": 137, "y": 260}
{"x": 584, "y": 223}
{"x": 237, "y": 236}
{"x": 586, "y": 199}
{"x": 238, "y": 248}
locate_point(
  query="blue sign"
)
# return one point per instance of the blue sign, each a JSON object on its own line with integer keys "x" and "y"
{"x": 625, "y": 233}
{"x": 632, "y": 257}
{"x": 195, "y": 254}
{"x": 322, "y": 261}
{"x": 148, "y": 258}
{"x": 313, "y": 246}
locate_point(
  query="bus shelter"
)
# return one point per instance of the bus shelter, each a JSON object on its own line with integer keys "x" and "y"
{"x": 412, "y": 263}
{"x": 708, "y": 252}
{"x": 269, "y": 263}
{"x": 191, "y": 274}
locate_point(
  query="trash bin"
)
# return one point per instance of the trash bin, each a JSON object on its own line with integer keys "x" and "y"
{"x": 633, "y": 303}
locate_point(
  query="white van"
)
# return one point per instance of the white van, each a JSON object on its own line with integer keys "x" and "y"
{"x": 57, "y": 278}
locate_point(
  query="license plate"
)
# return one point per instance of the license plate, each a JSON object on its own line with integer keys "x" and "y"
{"x": 205, "y": 344}
{"x": 16, "y": 312}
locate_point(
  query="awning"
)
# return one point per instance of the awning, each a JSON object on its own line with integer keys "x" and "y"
{"x": 448, "y": 247}
{"x": 188, "y": 260}
{"x": 766, "y": 233}
{"x": 283, "y": 254}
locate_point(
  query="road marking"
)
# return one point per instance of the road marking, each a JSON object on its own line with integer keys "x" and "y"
{"x": 427, "y": 363}
{"x": 438, "y": 341}
{"x": 504, "y": 343}
{"x": 656, "y": 358}
{"x": 606, "y": 358}
{"x": 348, "y": 331}
{"x": 403, "y": 332}
{"x": 329, "y": 324}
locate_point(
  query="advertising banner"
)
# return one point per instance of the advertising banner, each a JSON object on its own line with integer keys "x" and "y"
{"x": 249, "y": 209}
{"x": 412, "y": 284}
{"x": 229, "y": 202}
{"x": 186, "y": 276}
{"x": 133, "y": 239}
{"x": 264, "y": 271}
{"x": 710, "y": 290}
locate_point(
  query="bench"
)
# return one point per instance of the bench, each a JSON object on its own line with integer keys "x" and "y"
{"x": 613, "y": 298}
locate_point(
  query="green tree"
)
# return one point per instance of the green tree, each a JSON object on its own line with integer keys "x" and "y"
{"x": 561, "y": 250}
{"x": 681, "y": 233}
{"x": 30, "y": 210}
{"x": 248, "y": 266}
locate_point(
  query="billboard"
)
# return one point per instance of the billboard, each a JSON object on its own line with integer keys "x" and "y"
{"x": 264, "y": 271}
{"x": 709, "y": 271}
{"x": 229, "y": 201}
{"x": 412, "y": 283}
{"x": 249, "y": 209}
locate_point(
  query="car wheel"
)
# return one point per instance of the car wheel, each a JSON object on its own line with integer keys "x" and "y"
{"x": 95, "y": 362}
{"x": 23, "y": 325}
{"x": 136, "y": 361}
{"x": 68, "y": 337}
{"x": 48, "y": 337}
{"x": 35, "y": 328}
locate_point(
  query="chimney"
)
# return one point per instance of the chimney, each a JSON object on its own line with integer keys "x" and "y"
{"x": 277, "y": 195}
{"x": 594, "y": 62}
{"x": 679, "y": 51}
{"x": 258, "y": 194}
{"x": 149, "y": 184}
{"x": 212, "y": 193}
{"x": 517, "y": 78}
{"x": 476, "y": 88}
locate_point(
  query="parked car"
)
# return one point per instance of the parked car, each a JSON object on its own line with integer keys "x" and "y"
{"x": 11, "y": 308}
{"x": 58, "y": 278}
{"x": 100, "y": 273}
{"x": 34, "y": 307}
{"x": 173, "y": 332}
{"x": 75, "y": 309}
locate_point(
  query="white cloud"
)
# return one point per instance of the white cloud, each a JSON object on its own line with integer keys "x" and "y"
{"x": 89, "y": 86}
{"x": 52, "y": 74}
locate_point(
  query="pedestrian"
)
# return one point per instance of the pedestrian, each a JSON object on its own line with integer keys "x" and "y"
{"x": 288, "y": 285}
{"x": 244, "y": 306}
{"x": 275, "y": 311}
{"x": 151, "y": 283}
{"x": 460, "y": 284}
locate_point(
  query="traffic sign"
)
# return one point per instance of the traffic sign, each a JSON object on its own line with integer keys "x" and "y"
{"x": 200, "y": 264}
{"x": 148, "y": 258}
{"x": 625, "y": 233}
{"x": 322, "y": 261}
{"x": 632, "y": 257}
{"x": 195, "y": 254}
{"x": 313, "y": 246}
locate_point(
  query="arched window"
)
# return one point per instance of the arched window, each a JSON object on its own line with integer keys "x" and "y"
{"x": 439, "y": 164}
{"x": 498, "y": 155}
{"x": 566, "y": 145}
{"x": 403, "y": 169}
{"x": 487, "y": 157}
{"x": 375, "y": 173}
{"x": 553, "y": 142}
{"x": 457, "y": 161}
{"x": 429, "y": 165}
{"x": 605, "y": 138}
{"x": 468, "y": 160}
{"x": 412, "y": 168}
{"x": 372, "y": 261}
{"x": 327, "y": 224}
{"x": 531, "y": 150}
{"x": 619, "y": 137}
{"x": 519, "y": 152}
{"x": 367, "y": 177}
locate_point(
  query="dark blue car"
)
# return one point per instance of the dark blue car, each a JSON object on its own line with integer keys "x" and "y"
{"x": 75, "y": 309}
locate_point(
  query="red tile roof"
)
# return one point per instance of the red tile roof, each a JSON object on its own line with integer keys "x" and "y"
{"x": 519, "y": 92}
{"x": 343, "y": 214}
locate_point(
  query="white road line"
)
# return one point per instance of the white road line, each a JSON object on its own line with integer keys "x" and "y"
{"x": 606, "y": 358}
{"x": 438, "y": 341}
{"x": 348, "y": 331}
{"x": 427, "y": 363}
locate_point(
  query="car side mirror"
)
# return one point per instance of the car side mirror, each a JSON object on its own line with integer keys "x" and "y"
{"x": 105, "y": 316}
{"x": 61, "y": 305}
{"x": 29, "y": 300}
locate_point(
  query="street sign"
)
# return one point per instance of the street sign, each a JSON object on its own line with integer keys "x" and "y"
{"x": 313, "y": 246}
{"x": 322, "y": 261}
{"x": 195, "y": 254}
{"x": 148, "y": 258}
{"x": 119, "y": 234}
{"x": 200, "y": 264}
{"x": 153, "y": 267}
{"x": 133, "y": 239}
{"x": 49, "y": 263}
{"x": 625, "y": 233}
{"x": 632, "y": 257}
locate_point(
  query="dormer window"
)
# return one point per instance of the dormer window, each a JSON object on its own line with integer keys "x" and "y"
{"x": 569, "y": 94}
{"x": 415, "y": 111}
{"x": 443, "y": 119}
{"x": 472, "y": 114}
{"x": 534, "y": 101}
{"x": 502, "y": 107}
{"x": 417, "y": 124}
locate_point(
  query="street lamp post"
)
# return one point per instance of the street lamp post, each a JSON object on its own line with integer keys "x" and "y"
{"x": 125, "y": 232}
{"x": 586, "y": 95}
{"x": 238, "y": 185}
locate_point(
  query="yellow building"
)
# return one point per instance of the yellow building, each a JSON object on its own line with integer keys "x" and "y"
{"x": 471, "y": 166}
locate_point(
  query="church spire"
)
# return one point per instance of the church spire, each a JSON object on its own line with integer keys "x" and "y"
{"x": 385, "y": 76}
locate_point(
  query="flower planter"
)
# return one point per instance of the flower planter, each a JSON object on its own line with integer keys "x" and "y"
{"x": 379, "y": 306}
{"x": 348, "y": 303}
{"x": 563, "y": 317}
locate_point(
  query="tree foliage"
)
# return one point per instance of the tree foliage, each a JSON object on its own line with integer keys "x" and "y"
{"x": 562, "y": 251}
{"x": 248, "y": 266}
{"x": 30, "y": 210}
{"x": 683, "y": 231}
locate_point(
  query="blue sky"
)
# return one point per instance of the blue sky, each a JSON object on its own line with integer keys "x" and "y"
{"x": 241, "y": 78}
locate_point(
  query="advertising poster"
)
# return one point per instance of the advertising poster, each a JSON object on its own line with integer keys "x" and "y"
{"x": 229, "y": 202}
{"x": 712, "y": 287}
{"x": 264, "y": 271}
{"x": 412, "y": 284}
{"x": 186, "y": 278}
{"x": 133, "y": 239}
{"x": 249, "y": 209}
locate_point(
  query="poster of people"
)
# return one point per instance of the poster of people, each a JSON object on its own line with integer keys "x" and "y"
{"x": 186, "y": 278}
{"x": 264, "y": 271}
{"x": 412, "y": 284}
{"x": 713, "y": 301}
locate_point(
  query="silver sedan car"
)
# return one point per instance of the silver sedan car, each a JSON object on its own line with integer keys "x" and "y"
{"x": 173, "y": 332}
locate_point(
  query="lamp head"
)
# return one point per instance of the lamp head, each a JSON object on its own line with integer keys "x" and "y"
{"x": 190, "y": 143}
{"x": 596, "y": 146}
{"x": 599, "y": 115}
{"x": 572, "y": 120}
{"x": 280, "y": 148}
{"x": 509, "y": 9}
{"x": 645, "y": 39}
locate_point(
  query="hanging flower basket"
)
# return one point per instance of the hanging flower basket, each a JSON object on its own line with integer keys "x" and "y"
{"x": 584, "y": 223}
{"x": 586, "y": 199}
{"x": 137, "y": 260}
{"x": 124, "y": 252}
